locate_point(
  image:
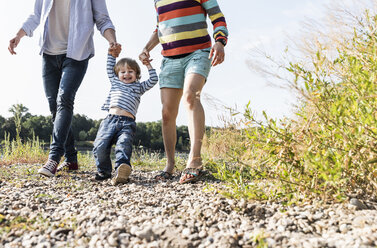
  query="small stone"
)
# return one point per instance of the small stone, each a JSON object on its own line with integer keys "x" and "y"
{"x": 63, "y": 231}
{"x": 186, "y": 232}
{"x": 146, "y": 234}
{"x": 202, "y": 234}
{"x": 358, "y": 204}
{"x": 343, "y": 228}
{"x": 358, "y": 222}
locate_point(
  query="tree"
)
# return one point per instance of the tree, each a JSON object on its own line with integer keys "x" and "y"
{"x": 40, "y": 125}
{"x": 2, "y": 122}
{"x": 18, "y": 111}
{"x": 81, "y": 123}
{"x": 82, "y": 135}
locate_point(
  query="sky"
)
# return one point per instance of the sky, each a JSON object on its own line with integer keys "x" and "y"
{"x": 252, "y": 24}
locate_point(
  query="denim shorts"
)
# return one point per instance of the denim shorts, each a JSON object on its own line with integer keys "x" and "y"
{"x": 174, "y": 70}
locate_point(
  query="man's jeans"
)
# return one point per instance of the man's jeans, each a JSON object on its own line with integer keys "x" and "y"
{"x": 62, "y": 77}
{"x": 118, "y": 130}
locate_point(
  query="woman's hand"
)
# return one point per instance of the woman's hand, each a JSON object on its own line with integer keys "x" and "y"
{"x": 217, "y": 54}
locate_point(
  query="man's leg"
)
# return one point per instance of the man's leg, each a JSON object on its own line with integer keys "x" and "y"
{"x": 170, "y": 99}
{"x": 191, "y": 97}
{"x": 73, "y": 74}
{"x": 51, "y": 74}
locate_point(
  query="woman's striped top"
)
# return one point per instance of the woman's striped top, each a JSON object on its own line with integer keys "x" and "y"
{"x": 126, "y": 96}
{"x": 182, "y": 26}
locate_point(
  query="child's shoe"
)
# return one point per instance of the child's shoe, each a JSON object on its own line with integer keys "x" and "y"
{"x": 49, "y": 169}
{"x": 68, "y": 166}
{"x": 101, "y": 176}
{"x": 121, "y": 174}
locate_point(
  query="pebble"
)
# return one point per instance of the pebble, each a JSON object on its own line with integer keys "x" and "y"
{"x": 72, "y": 209}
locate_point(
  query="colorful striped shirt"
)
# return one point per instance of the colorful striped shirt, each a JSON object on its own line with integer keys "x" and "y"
{"x": 126, "y": 96}
{"x": 182, "y": 26}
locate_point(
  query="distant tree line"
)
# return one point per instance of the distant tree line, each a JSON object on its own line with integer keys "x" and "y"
{"x": 148, "y": 134}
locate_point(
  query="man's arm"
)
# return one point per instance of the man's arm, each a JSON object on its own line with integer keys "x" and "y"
{"x": 152, "y": 43}
{"x": 110, "y": 36}
{"x": 28, "y": 27}
{"x": 103, "y": 21}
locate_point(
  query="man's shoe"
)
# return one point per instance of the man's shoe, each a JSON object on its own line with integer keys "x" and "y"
{"x": 68, "y": 166}
{"x": 101, "y": 176}
{"x": 49, "y": 169}
{"x": 122, "y": 174}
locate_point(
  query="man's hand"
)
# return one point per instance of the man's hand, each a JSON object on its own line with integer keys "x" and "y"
{"x": 217, "y": 54}
{"x": 13, "y": 43}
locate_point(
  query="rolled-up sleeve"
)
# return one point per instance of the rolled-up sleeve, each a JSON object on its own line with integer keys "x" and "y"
{"x": 34, "y": 19}
{"x": 101, "y": 16}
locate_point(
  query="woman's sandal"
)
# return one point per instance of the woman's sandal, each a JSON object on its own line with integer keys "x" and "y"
{"x": 163, "y": 175}
{"x": 195, "y": 174}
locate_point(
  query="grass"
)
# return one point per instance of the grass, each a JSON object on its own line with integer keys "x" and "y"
{"x": 326, "y": 152}
{"x": 16, "y": 151}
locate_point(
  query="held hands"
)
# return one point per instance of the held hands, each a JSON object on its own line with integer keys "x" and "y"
{"x": 144, "y": 57}
{"x": 115, "y": 49}
{"x": 217, "y": 54}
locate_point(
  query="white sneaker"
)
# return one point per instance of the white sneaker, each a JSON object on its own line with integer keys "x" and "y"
{"x": 49, "y": 168}
{"x": 122, "y": 174}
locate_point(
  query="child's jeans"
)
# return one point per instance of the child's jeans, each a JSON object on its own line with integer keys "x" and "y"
{"x": 118, "y": 130}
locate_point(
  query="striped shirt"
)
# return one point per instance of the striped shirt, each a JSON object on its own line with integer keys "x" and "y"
{"x": 182, "y": 26}
{"x": 126, "y": 96}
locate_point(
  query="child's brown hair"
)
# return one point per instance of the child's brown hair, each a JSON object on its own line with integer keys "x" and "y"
{"x": 131, "y": 63}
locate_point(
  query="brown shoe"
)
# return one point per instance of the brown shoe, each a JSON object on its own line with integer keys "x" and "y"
{"x": 68, "y": 166}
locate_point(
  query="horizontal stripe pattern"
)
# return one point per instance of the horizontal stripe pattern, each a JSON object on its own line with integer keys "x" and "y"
{"x": 182, "y": 26}
{"x": 126, "y": 96}
{"x": 187, "y": 42}
{"x": 177, "y": 5}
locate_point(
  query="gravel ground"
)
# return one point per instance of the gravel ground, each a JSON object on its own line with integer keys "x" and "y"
{"x": 71, "y": 210}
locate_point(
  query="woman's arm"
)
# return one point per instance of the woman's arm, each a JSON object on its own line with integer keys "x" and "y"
{"x": 152, "y": 43}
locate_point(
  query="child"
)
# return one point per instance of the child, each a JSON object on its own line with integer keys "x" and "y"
{"x": 119, "y": 126}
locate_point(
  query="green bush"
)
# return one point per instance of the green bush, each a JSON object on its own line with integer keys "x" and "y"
{"x": 330, "y": 149}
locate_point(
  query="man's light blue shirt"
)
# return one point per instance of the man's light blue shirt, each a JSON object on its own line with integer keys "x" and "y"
{"x": 83, "y": 15}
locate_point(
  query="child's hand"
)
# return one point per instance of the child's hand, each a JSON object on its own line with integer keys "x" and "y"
{"x": 147, "y": 63}
{"x": 145, "y": 60}
{"x": 144, "y": 57}
{"x": 115, "y": 49}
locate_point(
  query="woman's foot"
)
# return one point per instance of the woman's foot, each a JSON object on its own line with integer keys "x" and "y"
{"x": 193, "y": 171}
{"x": 163, "y": 175}
{"x": 190, "y": 175}
{"x": 166, "y": 173}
